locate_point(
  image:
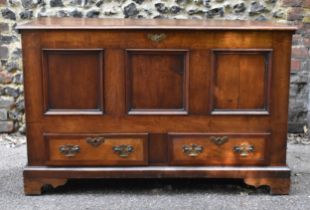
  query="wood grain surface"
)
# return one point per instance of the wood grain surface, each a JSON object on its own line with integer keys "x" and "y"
{"x": 157, "y": 85}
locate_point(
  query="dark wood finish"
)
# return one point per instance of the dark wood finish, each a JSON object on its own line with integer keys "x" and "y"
{"x": 219, "y": 152}
{"x": 163, "y": 78}
{"x": 241, "y": 81}
{"x": 158, "y": 149}
{"x": 73, "y": 81}
{"x": 102, "y": 154}
{"x": 73, "y": 23}
{"x": 277, "y": 178}
{"x": 235, "y": 172}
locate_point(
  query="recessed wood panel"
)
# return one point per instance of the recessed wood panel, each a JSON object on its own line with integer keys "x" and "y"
{"x": 156, "y": 82}
{"x": 240, "y": 81}
{"x": 73, "y": 81}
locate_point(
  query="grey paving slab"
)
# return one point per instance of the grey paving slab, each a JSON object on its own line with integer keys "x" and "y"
{"x": 153, "y": 194}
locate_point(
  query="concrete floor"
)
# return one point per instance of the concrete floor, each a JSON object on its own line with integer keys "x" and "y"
{"x": 153, "y": 194}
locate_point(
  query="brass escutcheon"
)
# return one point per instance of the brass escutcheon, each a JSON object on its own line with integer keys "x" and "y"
{"x": 69, "y": 150}
{"x": 244, "y": 149}
{"x": 123, "y": 150}
{"x": 219, "y": 140}
{"x": 156, "y": 37}
{"x": 192, "y": 150}
{"x": 95, "y": 141}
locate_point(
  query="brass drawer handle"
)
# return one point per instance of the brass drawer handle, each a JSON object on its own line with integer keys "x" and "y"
{"x": 244, "y": 149}
{"x": 156, "y": 37}
{"x": 219, "y": 140}
{"x": 95, "y": 141}
{"x": 69, "y": 150}
{"x": 192, "y": 150}
{"x": 123, "y": 150}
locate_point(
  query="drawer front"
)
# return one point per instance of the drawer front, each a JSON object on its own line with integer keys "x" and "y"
{"x": 96, "y": 149}
{"x": 218, "y": 149}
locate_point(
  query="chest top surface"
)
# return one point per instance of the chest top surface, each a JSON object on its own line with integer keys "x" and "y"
{"x": 183, "y": 24}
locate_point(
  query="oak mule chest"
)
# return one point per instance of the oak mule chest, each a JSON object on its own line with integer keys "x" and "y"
{"x": 120, "y": 98}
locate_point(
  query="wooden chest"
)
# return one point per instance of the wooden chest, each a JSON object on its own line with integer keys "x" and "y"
{"x": 118, "y": 98}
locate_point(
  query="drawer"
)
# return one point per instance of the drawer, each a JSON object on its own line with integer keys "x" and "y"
{"x": 218, "y": 149}
{"x": 96, "y": 149}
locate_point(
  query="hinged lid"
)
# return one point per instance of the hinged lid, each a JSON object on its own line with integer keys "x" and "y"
{"x": 170, "y": 24}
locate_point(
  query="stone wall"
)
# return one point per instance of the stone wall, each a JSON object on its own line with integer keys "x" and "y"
{"x": 16, "y": 11}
